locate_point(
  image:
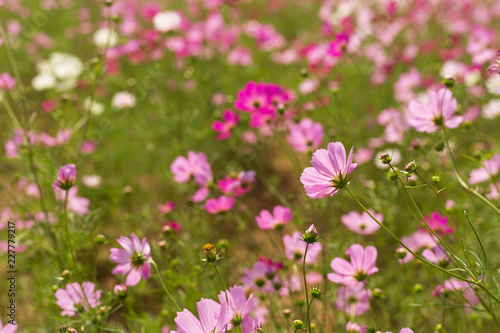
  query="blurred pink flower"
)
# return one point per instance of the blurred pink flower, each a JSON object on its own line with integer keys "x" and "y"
{"x": 214, "y": 318}
{"x": 133, "y": 260}
{"x": 361, "y": 266}
{"x": 280, "y": 216}
{"x": 329, "y": 173}
{"x": 353, "y": 299}
{"x": 7, "y": 82}
{"x": 295, "y": 248}
{"x": 362, "y": 223}
{"x": 73, "y": 299}
{"x": 238, "y": 304}
{"x": 438, "y": 223}
{"x": 230, "y": 120}
{"x": 438, "y": 112}
{"x": 66, "y": 177}
{"x": 436, "y": 256}
{"x": 167, "y": 207}
{"x": 260, "y": 277}
{"x": 488, "y": 170}
{"x": 306, "y": 135}
{"x": 237, "y": 185}
{"x": 351, "y": 327}
{"x": 195, "y": 165}
{"x": 219, "y": 205}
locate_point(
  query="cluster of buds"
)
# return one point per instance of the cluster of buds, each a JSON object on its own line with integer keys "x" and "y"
{"x": 210, "y": 252}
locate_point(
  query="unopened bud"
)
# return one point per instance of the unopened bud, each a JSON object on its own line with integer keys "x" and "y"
{"x": 385, "y": 158}
{"x": 315, "y": 292}
{"x": 436, "y": 178}
{"x": 449, "y": 81}
{"x": 418, "y": 288}
{"x": 162, "y": 244}
{"x": 377, "y": 292}
{"x": 411, "y": 167}
{"x": 298, "y": 324}
{"x": 121, "y": 291}
{"x": 287, "y": 313}
{"x": 304, "y": 72}
{"x": 401, "y": 252}
{"x": 223, "y": 244}
{"x": 71, "y": 330}
{"x": 65, "y": 273}
{"x": 108, "y": 3}
{"x": 101, "y": 239}
{"x": 210, "y": 252}
{"x": 310, "y": 236}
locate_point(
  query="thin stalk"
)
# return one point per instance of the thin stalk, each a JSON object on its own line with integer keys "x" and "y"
{"x": 70, "y": 243}
{"x": 305, "y": 288}
{"x": 164, "y": 286}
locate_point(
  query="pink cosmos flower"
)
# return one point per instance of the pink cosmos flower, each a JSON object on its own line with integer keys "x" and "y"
{"x": 395, "y": 124}
{"x": 6, "y": 81}
{"x": 419, "y": 240}
{"x": 240, "y": 306}
{"x": 338, "y": 46}
{"x": 73, "y": 299}
{"x": 134, "y": 260}
{"x": 218, "y": 205}
{"x": 195, "y": 165}
{"x": 328, "y": 174}
{"x": 361, "y": 266}
{"x": 438, "y": 112}
{"x": 355, "y": 328}
{"x": 436, "y": 256}
{"x": 280, "y": 216}
{"x": 237, "y": 185}
{"x": 214, "y": 318}
{"x": 259, "y": 278}
{"x": 488, "y": 170}
{"x": 167, "y": 207}
{"x": 230, "y": 120}
{"x": 306, "y": 135}
{"x": 353, "y": 299}
{"x": 362, "y": 223}
{"x": 75, "y": 204}
{"x": 295, "y": 248}
{"x": 66, "y": 177}
{"x": 8, "y": 328}
{"x": 453, "y": 285}
{"x": 438, "y": 223}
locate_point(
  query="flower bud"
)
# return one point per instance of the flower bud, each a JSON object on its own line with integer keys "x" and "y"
{"x": 418, "y": 288}
{"x": 436, "y": 178}
{"x": 65, "y": 274}
{"x": 66, "y": 177}
{"x": 401, "y": 252}
{"x": 449, "y": 81}
{"x": 411, "y": 167}
{"x": 304, "y": 73}
{"x": 71, "y": 330}
{"x": 287, "y": 313}
{"x": 210, "y": 253}
{"x": 310, "y": 236}
{"x": 298, "y": 324}
{"x": 101, "y": 239}
{"x": 162, "y": 244}
{"x": 121, "y": 291}
{"x": 377, "y": 292}
{"x": 223, "y": 244}
{"x": 385, "y": 158}
{"x": 315, "y": 292}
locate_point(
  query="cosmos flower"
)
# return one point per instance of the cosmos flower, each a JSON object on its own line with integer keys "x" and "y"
{"x": 219, "y": 205}
{"x": 75, "y": 299}
{"x": 362, "y": 223}
{"x": 306, "y": 135}
{"x": 133, "y": 260}
{"x": 329, "y": 171}
{"x": 295, "y": 248}
{"x": 214, "y": 318}
{"x": 280, "y": 216}
{"x": 361, "y": 266}
{"x": 438, "y": 112}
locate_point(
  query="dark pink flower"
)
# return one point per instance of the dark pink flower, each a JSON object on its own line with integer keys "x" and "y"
{"x": 361, "y": 266}
{"x": 438, "y": 112}
{"x": 280, "y": 216}
{"x": 230, "y": 120}
{"x": 75, "y": 300}
{"x": 329, "y": 173}
{"x": 133, "y": 260}
{"x": 218, "y": 205}
{"x": 167, "y": 207}
{"x": 438, "y": 223}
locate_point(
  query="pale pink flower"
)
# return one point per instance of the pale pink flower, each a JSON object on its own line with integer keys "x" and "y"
{"x": 351, "y": 327}
{"x": 218, "y": 205}
{"x": 75, "y": 300}
{"x": 306, "y": 135}
{"x": 260, "y": 277}
{"x": 280, "y": 216}
{"x": 436, "y": 256}
{"x": 8, "y": 328}
{"x": 353, "y": 299}
{"x": 133, "y": 260}
{"x": 7, "y": 82}
{"x": 438, "y": 112}
{"x": 195, "y": 165}
{"x": 214, "y": 318}
{"x": 362, "y": 223}
{"x": 295, "y": 248}
{"x": 361, "y": 266}
{"x": 488, "y": 170}
{"x": 75, "y": 204}
{"x": 329, "y": 173}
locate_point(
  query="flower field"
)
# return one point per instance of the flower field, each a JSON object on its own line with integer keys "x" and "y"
{"x": 210, "y": 166}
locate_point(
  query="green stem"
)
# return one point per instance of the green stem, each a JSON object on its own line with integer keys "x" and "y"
{"x": 221, "y": 281}
{"x": 462, "y": 181}
{"x": 70, "y": 243}
{"x": 164, "y": 286}
{"x": 305, "y": 288}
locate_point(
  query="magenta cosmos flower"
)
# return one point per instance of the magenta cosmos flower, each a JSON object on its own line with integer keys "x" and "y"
{"x": 214, "y": 318}
{"x": 361, "y": 266}
{"x": 362, "y": 223}
{"x": 8, "y": 328}
{"x": 280, "y": 216}
{"x": 306, "y": 135}
{"x": 328, "y": 174}
{"x": 73, "y": 299}
{"x": 134, "y": 259}
{"x": 295, "y": 248}
{"x": 230, "y": 120}
{"x": 66, "y": 177}
{"x": 438, "y": 112}
{"x": 195, "y": 165}
{"x": 222, "y": 204}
